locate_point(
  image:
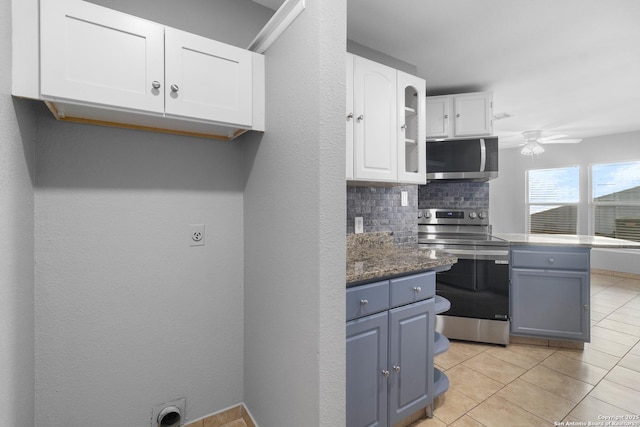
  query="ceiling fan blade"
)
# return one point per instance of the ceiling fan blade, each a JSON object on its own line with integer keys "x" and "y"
{"x": 552, "y": 137}
{"x": 562, "y": 141}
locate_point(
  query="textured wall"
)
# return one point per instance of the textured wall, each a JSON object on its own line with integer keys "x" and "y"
{"x": 128, "y": 315}
{"x": 294, "y": 229}
{"x": 381, "y": 210}
{"x": 17, "y": 134}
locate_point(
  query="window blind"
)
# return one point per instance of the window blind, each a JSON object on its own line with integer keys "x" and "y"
{"x": 552, "y": 198}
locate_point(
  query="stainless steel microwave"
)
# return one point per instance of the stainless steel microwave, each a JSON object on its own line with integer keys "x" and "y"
{"x": 463, "y": 159}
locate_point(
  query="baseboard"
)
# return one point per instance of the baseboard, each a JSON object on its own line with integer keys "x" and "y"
{"x": 615, "y": 273}
{"x": 224, "y": 417}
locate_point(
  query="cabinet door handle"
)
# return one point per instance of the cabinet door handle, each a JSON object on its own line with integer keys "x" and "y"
{"x": 360, "y": 118}
{"x": 458, "y": 115}
{"x": 586, "y": 307}
{"x": 551, "y": 260}
{"x": 446, "y": 116}
{"x": 155, "y": 84}
{"x": 349, "y": 116}
{"x": 175, "y": 88}
{"x": 396, "y": 369}
{"x": 364, "y": 302}
{"x": 403, "y": 127}
{"x": 417, "y": 289}
{"x": 385, "y": 373}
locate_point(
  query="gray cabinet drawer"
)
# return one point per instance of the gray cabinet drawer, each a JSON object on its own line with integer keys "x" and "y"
{"x": 573, "y": 260}
{"x": 405, "y": 290}
{"x": 367, "y": 299}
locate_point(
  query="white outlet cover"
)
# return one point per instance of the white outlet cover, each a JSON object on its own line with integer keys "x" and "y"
{"x": 359, "y": 225}
{"x": 404, "y": 198}
{"x": 196, "y": 235}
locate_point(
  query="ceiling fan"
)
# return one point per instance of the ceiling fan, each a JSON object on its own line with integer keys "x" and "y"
{"x": 534, "y": 138}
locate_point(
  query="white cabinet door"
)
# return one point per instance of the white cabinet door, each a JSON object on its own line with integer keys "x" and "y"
{"x": 438, "y": 118}
{"x": 206, "y": 79}
{"x": 411, "y": 137}
{"x": 473, "y": 114}
{"x": 375, "y": 131}
{"x": 100, "y": 56}
{"x": 349, "y": 116}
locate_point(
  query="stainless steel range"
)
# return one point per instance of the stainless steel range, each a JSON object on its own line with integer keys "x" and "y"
{"x": 478, "y": 285}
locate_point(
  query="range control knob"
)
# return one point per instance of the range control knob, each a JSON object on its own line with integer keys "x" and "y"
{"x": 419, "y": 214}
{"x": 473, "y": 215}
{"x": 427, "y": 214}
{"x": 482, "y": 215}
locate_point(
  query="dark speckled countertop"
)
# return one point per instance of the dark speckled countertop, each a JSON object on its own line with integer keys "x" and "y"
{"x": 372, "y": 256}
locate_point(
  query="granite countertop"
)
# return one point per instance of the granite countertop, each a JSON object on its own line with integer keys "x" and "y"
{"x": 372, "y": 256}
{"x": 567, "y": 240}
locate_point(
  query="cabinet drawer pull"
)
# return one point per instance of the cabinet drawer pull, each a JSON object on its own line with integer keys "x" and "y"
{"x": 396, "y": 369}
{"x": 385, "y": 373}
{"x": 155, "y": 84}
{"x": 364, "y": 302}
{"x": 175, "y": 88}
{"x": 417, "y": 289}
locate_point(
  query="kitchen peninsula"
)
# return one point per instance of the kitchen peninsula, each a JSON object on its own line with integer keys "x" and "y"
{"x": 550, "y": 283}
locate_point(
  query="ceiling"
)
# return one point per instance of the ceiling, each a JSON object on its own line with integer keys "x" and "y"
{"x": 562, "y": 66}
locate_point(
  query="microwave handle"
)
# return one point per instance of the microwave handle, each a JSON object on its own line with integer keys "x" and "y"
{"x": 483, "y": 155}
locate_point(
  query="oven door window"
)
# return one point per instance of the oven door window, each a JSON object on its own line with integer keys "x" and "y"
{"x": 476, "y": 288}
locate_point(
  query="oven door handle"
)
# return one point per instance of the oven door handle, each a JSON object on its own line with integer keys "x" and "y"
{"x": 461, "y": 253}
{"x": 497, "y": 255}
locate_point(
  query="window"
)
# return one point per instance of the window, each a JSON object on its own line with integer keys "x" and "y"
{"x": 552, "y": 200}
{"x": 615, "y": 200}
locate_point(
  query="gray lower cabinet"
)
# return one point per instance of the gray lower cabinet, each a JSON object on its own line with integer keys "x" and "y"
{"x": 411, "y": 359}
{"x": 550, "y": 292}
{"x": 367, "y": 370}
{"x": 390, "y": 372}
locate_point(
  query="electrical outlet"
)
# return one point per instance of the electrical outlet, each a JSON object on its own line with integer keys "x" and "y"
{"x": 196, "y": 235}
{"x": 359, "y": 225}
{"x": 404, "y": 198}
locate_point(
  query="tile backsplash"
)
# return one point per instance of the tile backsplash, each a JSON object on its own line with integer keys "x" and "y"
{"x": 381, "y": 210}
{"x": 453, "y": 195}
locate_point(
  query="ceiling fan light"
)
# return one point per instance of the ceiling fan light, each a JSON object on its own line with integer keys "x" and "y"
{"x": 532, "y": 148}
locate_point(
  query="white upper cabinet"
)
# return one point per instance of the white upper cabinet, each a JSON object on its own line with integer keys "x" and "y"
{"x": 375, "y": 134}
{"x": 385, "y": 124}
{"x": 412, "y": 159}
{"x": 97, "y": 65}
{"x": 97, "y": 55}
{"x": 207, "y": 79}
{"x": 438, "y": 116}
{"x": 460, "y": 116}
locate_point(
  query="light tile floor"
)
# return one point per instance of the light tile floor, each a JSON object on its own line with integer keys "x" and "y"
{"x": 528, "y": 385}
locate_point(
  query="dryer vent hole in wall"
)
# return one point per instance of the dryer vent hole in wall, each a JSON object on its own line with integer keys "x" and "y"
{"x": 169, "y": 414}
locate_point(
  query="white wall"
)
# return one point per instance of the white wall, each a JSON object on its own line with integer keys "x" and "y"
{"x": 508, "y": 192}
{"x": 127, "y": 314}
{"x": 294, "y": 229}
{"x": 17, "y": 135}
